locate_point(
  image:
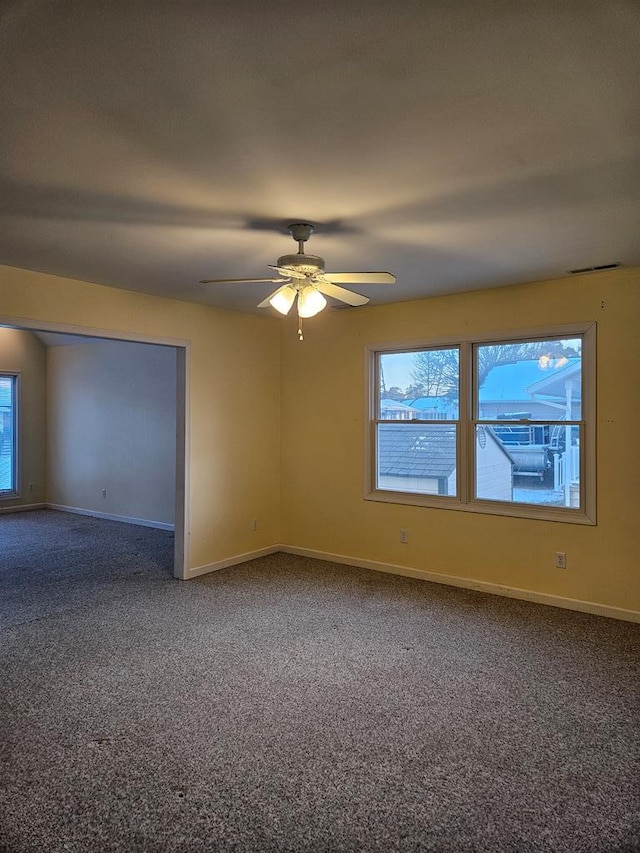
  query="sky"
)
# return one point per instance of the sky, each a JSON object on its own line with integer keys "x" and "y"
{"x": 398, "y": 366}
{"x": 397, "y": 369}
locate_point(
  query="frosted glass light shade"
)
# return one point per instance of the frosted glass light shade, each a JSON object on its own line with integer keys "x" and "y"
{"x": 283, "y": 299}
{"x": 310, "y": 302}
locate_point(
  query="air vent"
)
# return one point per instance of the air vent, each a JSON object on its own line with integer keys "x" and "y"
{"x": 598, "y": 268}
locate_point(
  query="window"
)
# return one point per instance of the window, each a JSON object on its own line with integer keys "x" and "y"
{"x": 8, "y": 432}
{"x": 503, "y": 425}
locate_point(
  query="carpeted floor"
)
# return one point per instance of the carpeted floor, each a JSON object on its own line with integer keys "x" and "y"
{"x": 295, "y": 705}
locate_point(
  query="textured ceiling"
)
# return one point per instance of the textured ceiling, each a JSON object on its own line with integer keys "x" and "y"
{"x": 149, "y": 144}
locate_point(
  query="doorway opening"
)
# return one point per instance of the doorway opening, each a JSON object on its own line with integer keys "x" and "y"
{"x": 104, "y": 416}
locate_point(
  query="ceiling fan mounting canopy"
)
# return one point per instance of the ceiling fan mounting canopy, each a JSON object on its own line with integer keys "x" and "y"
{"x": 300, "y": 231}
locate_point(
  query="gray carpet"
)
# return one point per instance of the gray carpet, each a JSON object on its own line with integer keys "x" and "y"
{"x": 295, "y": 705}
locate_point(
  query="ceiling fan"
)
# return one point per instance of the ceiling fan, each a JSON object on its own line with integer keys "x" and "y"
{"x": 303, "y": 276}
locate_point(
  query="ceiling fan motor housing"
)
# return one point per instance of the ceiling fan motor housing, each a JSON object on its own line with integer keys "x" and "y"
{"x": 307, "y": 264}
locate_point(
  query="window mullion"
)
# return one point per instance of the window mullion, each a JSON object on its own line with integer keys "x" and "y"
{"x": 464, "y": 444}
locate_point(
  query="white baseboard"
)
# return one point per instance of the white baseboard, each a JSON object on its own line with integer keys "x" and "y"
{"x": 469, "y": 583}
{"x": 390, "y": 568}
{"x": 21, "y": 508}
{"x": 126, "y": 519}
{"x": 233, "y": 561}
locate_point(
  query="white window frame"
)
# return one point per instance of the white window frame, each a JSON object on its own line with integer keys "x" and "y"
{"x": 12, "y": 494}
{"x": 465, "y": 500}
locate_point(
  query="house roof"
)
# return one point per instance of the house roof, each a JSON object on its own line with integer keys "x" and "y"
{"x": 513, "y": 381}
{"x": 408, "y": 450}
{"x": 441, "y": 404}
{"x": 416, "y": 450}
{"x": 397, "y": 406}
{"x": 552, "y": 385}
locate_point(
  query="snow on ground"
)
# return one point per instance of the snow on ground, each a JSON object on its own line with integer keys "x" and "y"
{"x": 539, "y": 495}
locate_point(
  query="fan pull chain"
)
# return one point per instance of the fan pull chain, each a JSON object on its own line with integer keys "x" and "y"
{"x": 300, "y": 335}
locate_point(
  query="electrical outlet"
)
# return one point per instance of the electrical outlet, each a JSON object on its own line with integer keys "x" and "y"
{"x": 561, "y": 560}
{"x": 104, "y": 493}
{"x": 404, "y": 536}
{"x": 254, "y": 524}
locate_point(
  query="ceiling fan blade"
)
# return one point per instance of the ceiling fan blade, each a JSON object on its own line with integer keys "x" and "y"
{"x": 266, "y": 302}
{"x": 340, "y": 293}
{"x": 360, "y": 277}
{"x": 288, "y": 272}
{"x": 237, "y": 280}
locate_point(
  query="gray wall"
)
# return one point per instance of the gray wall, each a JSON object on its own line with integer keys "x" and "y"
{"x": 111, "y": 410}
{"x": 22, "y": 352}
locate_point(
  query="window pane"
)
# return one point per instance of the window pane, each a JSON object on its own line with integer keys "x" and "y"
{"x": 417, "y": 458}
{"x": 539, "y": 380}
{"x": 529, "y": 470}
{"x": 422, "y": 385}
{"x": 7, "y": 425}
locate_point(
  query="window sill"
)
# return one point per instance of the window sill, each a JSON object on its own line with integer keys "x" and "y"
{"x": 537, "y": 513}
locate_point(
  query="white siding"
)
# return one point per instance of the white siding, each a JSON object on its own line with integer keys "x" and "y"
{"x": 424, "y": 485}
{"x": 493, "y": 471}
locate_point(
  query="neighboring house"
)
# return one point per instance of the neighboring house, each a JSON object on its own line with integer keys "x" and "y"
{"x": 396, "y": 410}
{"x": 536, "y": 391}
{"x": 417, "y": 458}
{"x": 526, "y": 386}
{"x": 435, "y": 408}
{"x": 514, "y": 388}
{"x": 517, "y": 391}
{"x": 423, "y": 459}
{"x": 494, "y": 467}
{"x": 559, "y": 391}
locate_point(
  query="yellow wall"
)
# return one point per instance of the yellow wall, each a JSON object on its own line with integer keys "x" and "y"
{"x": 249, "y": 375}
{"x": 323, "y": 427}
{"x": 233, "y": 392}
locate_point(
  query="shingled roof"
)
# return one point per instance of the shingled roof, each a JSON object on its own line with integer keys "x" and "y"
{"x": 416, "y": 450}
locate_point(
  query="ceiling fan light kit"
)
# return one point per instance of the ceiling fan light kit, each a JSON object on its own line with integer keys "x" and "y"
{"x": 283, "y": 299}
{"x": 303, "y": 277}
{"x": 310, "y": 301}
